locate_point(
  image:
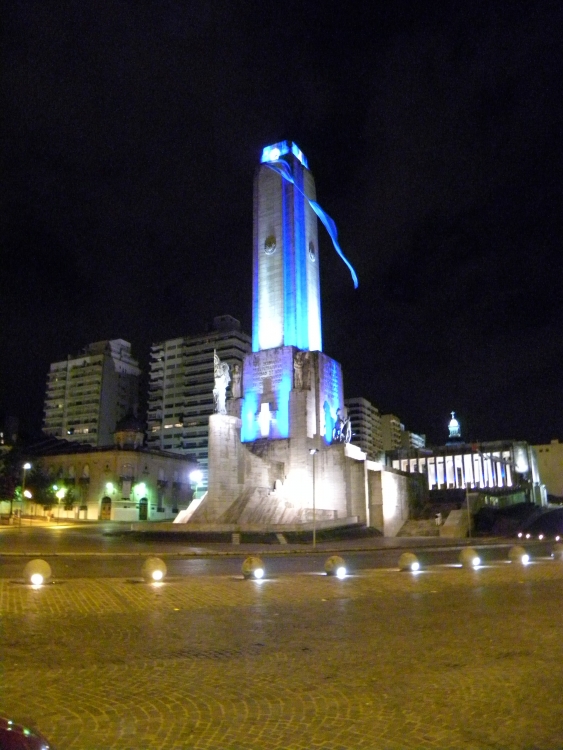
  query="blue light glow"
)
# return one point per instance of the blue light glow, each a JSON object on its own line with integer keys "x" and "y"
{"x": 284, "y": 170}
{"x": 329, "y": 422}
{"x": 249, "y": 426}
{"x": 283, "y": 406}
{"x": 277, "y": 150}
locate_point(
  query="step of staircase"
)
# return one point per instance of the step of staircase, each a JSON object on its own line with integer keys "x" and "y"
{"x": 421, "y": 527}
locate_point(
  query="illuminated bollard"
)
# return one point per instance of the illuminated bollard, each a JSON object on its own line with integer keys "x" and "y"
{"x": 153, "y": 570}
{"x": 557, "y": 553}
{"x": 409, "y": 561}
{"x": 469, "y": 558}
{"x": 335, "y": 566}
{"x": 518, "y": 555}
{"x": 37, "y": 572}
{"x": 253, "y": 567}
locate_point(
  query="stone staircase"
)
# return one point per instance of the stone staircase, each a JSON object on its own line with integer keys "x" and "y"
{"x": 421, "y": 527}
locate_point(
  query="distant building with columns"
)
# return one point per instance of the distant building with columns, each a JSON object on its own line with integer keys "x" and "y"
{"x": 498, "y": 469}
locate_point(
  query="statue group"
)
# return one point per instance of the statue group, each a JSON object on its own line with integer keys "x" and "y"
{"x": 222, "y": 380}
{"x": 342, "y": 431}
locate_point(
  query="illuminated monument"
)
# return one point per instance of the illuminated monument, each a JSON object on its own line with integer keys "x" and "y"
{"x": 281, "y": 457}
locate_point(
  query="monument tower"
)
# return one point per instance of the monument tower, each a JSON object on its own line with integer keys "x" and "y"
{"x": 282, "y": 454}
{"x": 286, "y": 289}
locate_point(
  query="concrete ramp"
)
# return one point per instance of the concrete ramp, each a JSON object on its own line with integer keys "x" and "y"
{"x": 185, "y": 515}
{"x": 456, "y": 525}
{"x": 259, "y": 506}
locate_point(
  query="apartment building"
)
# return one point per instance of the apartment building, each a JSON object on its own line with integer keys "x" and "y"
{"x": 181, "y": 381}
{"x": 87, "y": 394}
{"x": 366, "y": 426}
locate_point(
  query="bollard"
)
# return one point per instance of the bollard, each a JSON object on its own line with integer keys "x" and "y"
{"x": 518, "y": 555}
{"x": 469, "y": 558}
{"x": 253, "y": 567}
{"x": 335, "y": 566}
{"x": 409, "y": 561}
{"x": 37, "y": 572}
{"x": 153, "y": 570}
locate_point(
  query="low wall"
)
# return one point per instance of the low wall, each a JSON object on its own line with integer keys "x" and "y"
{"x": 229, "y": 528}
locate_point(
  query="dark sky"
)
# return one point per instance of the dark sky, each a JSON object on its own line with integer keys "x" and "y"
{"x": 130, "y": 135}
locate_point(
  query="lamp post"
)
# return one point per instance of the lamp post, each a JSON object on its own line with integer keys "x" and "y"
{"x": 195, "y": 478}
{"x": 313, "y": 452}
{"x": 26, "y": 467}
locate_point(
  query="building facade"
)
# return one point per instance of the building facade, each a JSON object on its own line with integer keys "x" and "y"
{"x": 412, "y": 439}
{"x": 366, "y": 427}
{"x": 180, "y": 390}
{"x": 89, "y": 393}
{"x": 496, "y": 469}
{"x": 550, "y": 466}
{"x": 391, "y": 431}
{"x": 115, "y": 484}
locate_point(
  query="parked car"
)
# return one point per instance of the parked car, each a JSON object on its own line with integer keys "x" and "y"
{"x": 15, "y": 736}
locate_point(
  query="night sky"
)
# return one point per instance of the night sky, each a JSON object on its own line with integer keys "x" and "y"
{"x": 131, "y": 132}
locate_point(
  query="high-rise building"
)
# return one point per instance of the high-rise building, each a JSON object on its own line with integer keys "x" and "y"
{"x": 89, "y": 393}
{"x": 366, "y": 426}
{"x": 412, "y": 439}
{"x": 391, "y": 429}
{"x": 181, "y": 382}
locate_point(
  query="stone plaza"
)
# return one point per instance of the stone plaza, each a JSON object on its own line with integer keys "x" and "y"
{"x": 448, "y": 658}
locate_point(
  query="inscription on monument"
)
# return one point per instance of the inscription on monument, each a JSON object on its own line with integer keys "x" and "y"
{"x": 269, "y": 363}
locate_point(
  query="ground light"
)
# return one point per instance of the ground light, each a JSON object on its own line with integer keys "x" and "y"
{"x": 469, "y": 558}
{"x": 253, "y": 567}
{"x": 409, "y": 561}
{"x": 335, "y": 566}
{"x": 518, "y": 555}
{"x": 153, "y": 570}
{"x": 557, "y": 553}
{"x": 37, "y": 572}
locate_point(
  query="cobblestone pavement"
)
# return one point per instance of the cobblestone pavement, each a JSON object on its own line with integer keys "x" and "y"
{"x": 449, "y": 658}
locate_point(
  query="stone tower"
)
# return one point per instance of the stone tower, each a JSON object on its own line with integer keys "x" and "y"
{"x": 286, "y": 308}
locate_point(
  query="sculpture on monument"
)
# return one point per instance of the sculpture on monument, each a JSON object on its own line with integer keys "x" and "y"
{"x": 298, "y": 371}
{"x": 342, "y": 431}
{"x": 222, "y": 380}
{"x": 235, "y": 386}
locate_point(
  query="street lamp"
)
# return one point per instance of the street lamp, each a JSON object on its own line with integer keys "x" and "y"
{"x": 195, "y": 478}
{"x": 313, "y": 452}
{"x": 26, "y": 467}
{"x": 60, "y": 495}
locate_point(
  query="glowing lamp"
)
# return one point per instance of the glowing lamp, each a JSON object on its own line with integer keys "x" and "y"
{"x": 409, "y": 561}
{"x": 37, "y": 572}
{"x": 557, "y": 553}
{"x": 275, "y": 154}
{"x": 518, "y": 555}
{"x": 469, "y": 558}
{"x": 27, "y": 493}
{"x": 153, "y": 570}
{"x": 335, "y": 566}
{"x": 196, "y": 476}
{"x": 253, "y": 567}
